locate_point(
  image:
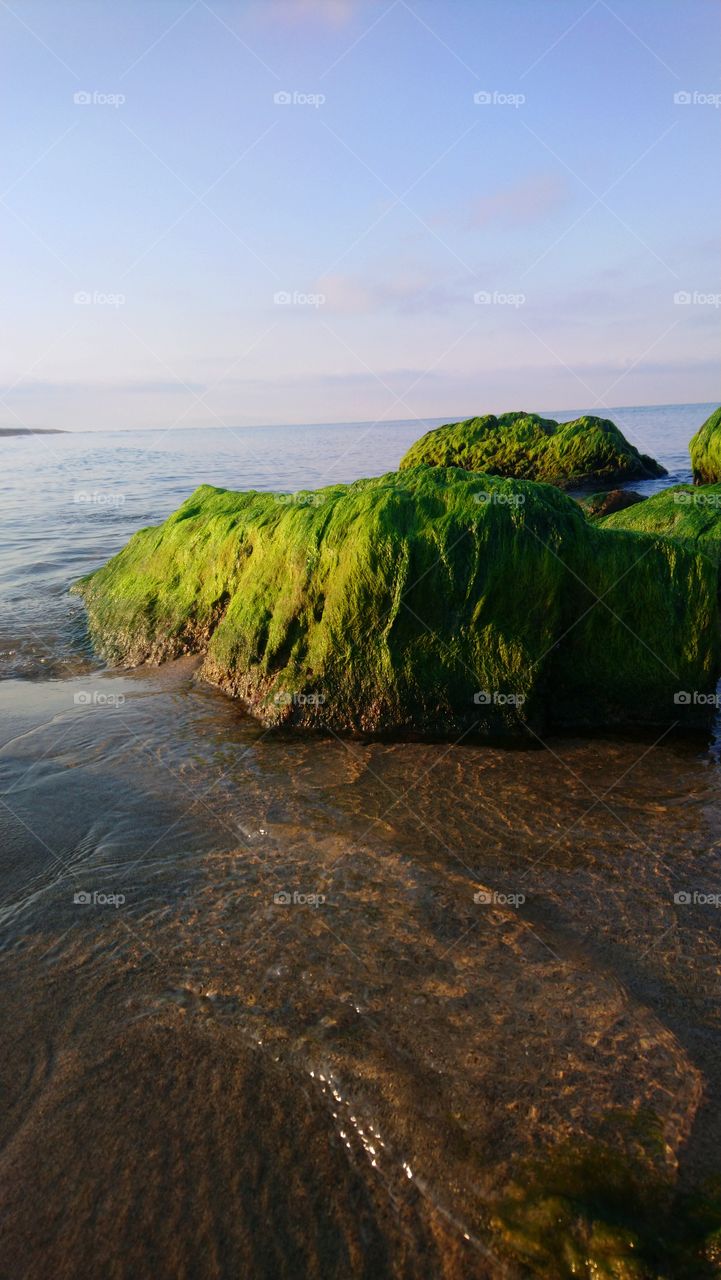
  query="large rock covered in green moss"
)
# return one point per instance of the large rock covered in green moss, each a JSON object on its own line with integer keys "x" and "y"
{"x": 682, "y": 511}
{"x": 526, "y": 447}
{"x": 431, "y": 601}
{"x": 705, "y": 449}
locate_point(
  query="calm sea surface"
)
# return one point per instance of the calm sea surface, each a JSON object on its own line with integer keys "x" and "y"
{"x": 286, "y": 1007}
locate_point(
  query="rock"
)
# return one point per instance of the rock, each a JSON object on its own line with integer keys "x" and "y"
{"x": 683, "y": 511}
{"x": 526, "y": 447}
{"x": 705, "y": 449}
{"x": 600, "y": 1212}
{"x": 431, "y": 601}
{"x": 597, "y": 505}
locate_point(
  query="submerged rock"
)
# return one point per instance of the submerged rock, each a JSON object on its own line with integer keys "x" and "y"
{"x": 683, "y": 511}
{"x": 705, "y": 449}
{"x": 597, "y": 505}
{"x": 594, "y": 1211}
{"x": 431, "y": 601}
{"x": 527, "y": 447}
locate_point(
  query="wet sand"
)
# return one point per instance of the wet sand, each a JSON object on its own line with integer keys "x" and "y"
{"x": 204, "y": 1080}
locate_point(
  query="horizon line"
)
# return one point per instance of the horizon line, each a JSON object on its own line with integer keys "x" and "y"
{"x": 355, "y": 422}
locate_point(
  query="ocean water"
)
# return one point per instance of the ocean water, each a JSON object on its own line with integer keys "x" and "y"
{"x": 286, "y": 1007}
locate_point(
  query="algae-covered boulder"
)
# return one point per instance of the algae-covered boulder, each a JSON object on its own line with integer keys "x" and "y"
{"x": 682, "y": 511}
{"x": 597, "y": 505}
{"x": 594, "y": 1211}
{"x": 431, "y": 601}
{"x": 526, "y": 447}
{"x": 705, "y": 449}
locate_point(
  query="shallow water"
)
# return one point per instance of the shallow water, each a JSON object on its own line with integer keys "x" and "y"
{"x": 319, "y": 1001}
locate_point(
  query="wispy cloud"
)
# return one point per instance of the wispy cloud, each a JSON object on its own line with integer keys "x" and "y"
{"x": 90, "y": 386}
{"x": 335, "y": 13}
{"x": 406, "y": 291}
{"x": 519, "y": 204}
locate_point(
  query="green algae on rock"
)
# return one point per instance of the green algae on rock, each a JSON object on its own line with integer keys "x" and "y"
{"x": 524, "y": 446}
{"x": 705, "y": 449}
{"x": 592, "y": 1210}
{"x": 432, "y": 601}
{"x": 682, "y": 511}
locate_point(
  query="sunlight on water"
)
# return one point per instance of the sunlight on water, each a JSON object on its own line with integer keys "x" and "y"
{"x": 236, "y": 959}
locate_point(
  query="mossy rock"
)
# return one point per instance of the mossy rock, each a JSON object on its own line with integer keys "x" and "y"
{"x": 432, "y": 601}
{"x": 562, "y": 1240}
{"x": 705, "y": 449}
{"x": 600, "y": 1212}
{"x": 692, "y": 513}
{"x": 597, "y": 505}
{"x": 526, "y": 447}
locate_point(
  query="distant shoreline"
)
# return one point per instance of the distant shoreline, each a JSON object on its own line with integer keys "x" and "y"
{"x": 32, "y": 431}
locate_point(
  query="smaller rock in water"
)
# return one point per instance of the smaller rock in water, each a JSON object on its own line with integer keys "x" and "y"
{"x": 524, "y": 446}
{"x": 604, "y": 504}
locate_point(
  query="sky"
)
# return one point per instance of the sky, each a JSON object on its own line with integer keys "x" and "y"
{"x": 226, "y": 213}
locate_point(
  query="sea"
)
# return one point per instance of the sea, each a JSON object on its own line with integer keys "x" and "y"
{"x": 283, "y": 1006}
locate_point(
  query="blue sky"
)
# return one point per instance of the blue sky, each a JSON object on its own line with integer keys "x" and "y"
{"x": 149, "y": 233}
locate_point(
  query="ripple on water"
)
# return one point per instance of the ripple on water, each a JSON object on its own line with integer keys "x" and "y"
{"x": 346, "y": 1079}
